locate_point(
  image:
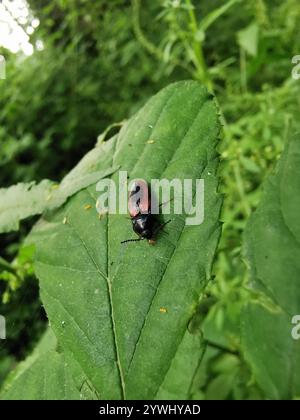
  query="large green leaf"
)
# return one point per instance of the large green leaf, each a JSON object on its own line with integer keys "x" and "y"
{"x": 272, "y": 246}
{"x": 42, "y": 376}
{"x": 104, "y": 299}
{"x": 30, "y": 199}
{"x": 21, "y": 201}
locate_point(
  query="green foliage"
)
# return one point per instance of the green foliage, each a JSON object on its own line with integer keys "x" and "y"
{"x": 54, "y": 104}
{"x": 272, "y": 247}
{"x": 82, "y": 267}
{"x": 15, "y": 272}
{"x": 21, "y": 201}
{"x": 42, "y": 376}
{"x": 248, "y": 38}
{"x": 25, "y": 318}
{"x": 97, "y": 67}
{"x": 24, "y": 200}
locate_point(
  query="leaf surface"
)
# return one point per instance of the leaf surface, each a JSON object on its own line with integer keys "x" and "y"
{"x": 44, "y": 375}
{"x": 122, "y": 311}
{"x": 272, "y": 248}
{"x": 21, "y": 201}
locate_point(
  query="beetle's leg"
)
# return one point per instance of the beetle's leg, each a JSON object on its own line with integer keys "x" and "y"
{"x": 152, "y": 241}
{"x": 132, "y": 240}
{"x": 161, "y": 227}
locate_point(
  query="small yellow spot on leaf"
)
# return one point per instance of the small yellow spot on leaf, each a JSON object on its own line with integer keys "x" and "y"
{"x": 150, "y": 142}
{"x": 65, "y": 221}
{"x": 163, "y": 310}
{"x": 87, "y": 207}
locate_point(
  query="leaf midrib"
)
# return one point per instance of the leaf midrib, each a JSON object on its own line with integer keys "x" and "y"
{"x": 109, "y": 282}
{"x": 174, "y": 246}
{"x": 109, "y": 293}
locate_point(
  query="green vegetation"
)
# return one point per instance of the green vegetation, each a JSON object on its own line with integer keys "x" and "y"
{"x": 228, "y": 300}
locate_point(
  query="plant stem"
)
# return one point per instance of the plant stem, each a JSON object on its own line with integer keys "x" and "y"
{"x": 5, "y": 266}
{"x": 243, "y": 69}
{"x": 146, "y": 43}
{"x": 241, "y": 189}
{"x": 200, "y": 63}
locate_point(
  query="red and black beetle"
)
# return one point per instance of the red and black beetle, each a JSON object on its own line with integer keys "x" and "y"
{"x": 144, "y": 223}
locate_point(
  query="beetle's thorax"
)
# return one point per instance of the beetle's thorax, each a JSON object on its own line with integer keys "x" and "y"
{"x": 143, "y": 225}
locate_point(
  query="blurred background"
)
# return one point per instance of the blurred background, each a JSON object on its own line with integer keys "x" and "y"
{"x": 75, "y": 67}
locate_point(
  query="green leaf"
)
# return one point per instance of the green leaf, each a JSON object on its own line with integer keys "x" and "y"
{"x": 179, "y": 378}
{"x": 272, "y": 247}
{"x": 72, "y": 184}
{"x": 208, "y": 20}
{"x": 42, "y": 376}
{"x": 21, "y": 201}
{"x": 122, "y": 311}
{"x": 220, "y": 387}
{"x": 24, "y": 200}
{"x": 248, "y": 39}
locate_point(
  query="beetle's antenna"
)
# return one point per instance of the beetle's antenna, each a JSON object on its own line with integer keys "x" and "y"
{"x": 132, "y": 240}
{"x": 166, "y": 202}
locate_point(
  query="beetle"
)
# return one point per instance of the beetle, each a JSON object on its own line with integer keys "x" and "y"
{"x": 143, "y": 221}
